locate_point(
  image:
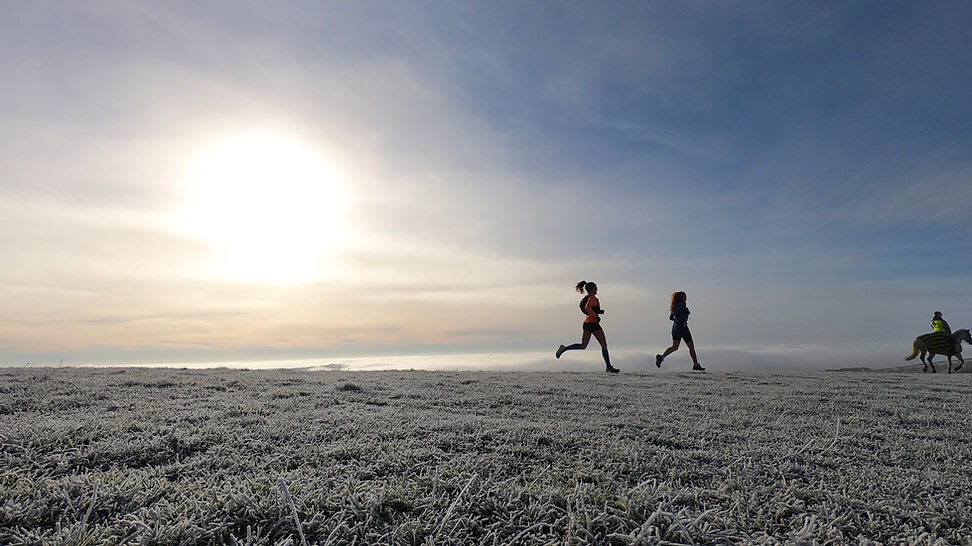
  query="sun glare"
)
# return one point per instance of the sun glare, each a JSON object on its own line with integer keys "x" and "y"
{"x": 270, "y": 207}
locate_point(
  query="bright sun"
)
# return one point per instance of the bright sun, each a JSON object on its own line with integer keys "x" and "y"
{"x": 270, "y": 207}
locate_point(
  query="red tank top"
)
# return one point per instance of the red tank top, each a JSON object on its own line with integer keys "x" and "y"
{"x": 590, "y": 309}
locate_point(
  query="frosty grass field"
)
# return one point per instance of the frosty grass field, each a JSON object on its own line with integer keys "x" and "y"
{"x": 168, "y": 456}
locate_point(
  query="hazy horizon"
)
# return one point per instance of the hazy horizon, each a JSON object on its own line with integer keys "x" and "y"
{"x": 718, "y": 359}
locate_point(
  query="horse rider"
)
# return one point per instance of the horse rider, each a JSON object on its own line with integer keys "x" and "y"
{"x": 939, "y": 325}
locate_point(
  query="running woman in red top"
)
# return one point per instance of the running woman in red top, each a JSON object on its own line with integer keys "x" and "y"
{"x": 591, "y": 308}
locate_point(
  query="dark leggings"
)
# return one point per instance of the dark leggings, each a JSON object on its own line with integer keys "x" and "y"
{"x": 599, "y": 335}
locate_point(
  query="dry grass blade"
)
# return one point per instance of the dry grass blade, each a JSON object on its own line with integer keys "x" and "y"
{"x": 293, "y": 508}
{"x": 87, "y": 515}
{"x": 452, "y": 507}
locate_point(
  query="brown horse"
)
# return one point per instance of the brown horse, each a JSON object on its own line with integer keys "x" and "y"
{"x": 940, "y": 343}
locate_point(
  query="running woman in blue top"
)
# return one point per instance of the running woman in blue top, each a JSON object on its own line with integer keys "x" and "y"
{"x": 591, "y": 307}
{"x": 680, "y": 330}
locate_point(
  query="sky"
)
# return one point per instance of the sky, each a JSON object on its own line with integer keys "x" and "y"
{"x": 213, "y": 181}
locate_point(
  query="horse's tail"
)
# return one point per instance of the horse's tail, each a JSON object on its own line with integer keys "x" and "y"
{"x": 914, "y": 350}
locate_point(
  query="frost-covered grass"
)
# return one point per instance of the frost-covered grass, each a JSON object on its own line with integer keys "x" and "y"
{"x": 165, "y": 456}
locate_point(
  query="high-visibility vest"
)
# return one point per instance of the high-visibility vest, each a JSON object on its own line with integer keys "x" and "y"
{"x": 938, "y": 325}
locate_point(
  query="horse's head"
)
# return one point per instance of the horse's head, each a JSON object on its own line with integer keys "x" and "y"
{"x": 963, "y": 335}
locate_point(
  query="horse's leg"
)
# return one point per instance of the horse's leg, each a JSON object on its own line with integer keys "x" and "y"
{"x": 949, "y": 357}
{"x": 924, "y": 365}
{"x": 931, "y": 357}
{"x": 961, "y": 362}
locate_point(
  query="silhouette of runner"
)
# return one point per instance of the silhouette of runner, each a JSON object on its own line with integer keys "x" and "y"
{"x": 591, "y": 308}
{"x": 680, "y": 330}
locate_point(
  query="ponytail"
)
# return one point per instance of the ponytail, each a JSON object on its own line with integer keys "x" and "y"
{"x": 580, "y": 286}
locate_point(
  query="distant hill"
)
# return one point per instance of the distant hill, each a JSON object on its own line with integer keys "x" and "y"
{"x": 941, "y": 366}
{"x": 907, "y": 368}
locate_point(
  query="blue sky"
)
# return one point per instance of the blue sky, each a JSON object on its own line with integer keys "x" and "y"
{"x": 444, "y": 173}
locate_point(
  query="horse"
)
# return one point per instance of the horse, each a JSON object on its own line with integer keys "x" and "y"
{"x": 940, "y": 343}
